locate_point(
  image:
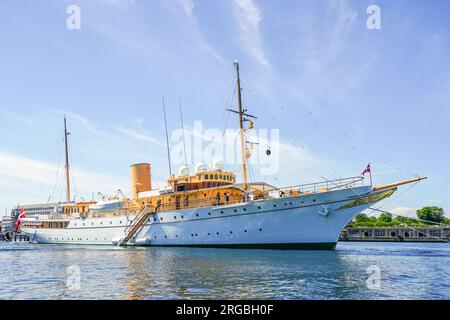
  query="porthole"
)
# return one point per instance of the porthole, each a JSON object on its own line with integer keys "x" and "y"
{"x": 221, "y": 212}
{"x": 274, "y": 205}
{"x": 161, "y": 218}
{"x": 209, "y": 213}
{"x": 192, "y": 235}
{"x": 175, "y": 217}
{"x": 259, "y": 208}
{"x": 314, "y": 200}
{"x": 182, "y": 217}
{"x": 245, "y": 230}
{"x": 120, "y": 221}
{"x": 231, "y": 231}
{"x": 290, "y": 203}
{"x": 166, "y": 237}
{"x": 217, "y": 233}
{"x": 196, "y": 214}
{"x": 196, "y": 235}
{"x": 209, "y": 234}
{"x": 260, "y": 229}
{"x": 235, "y": 210}
{"x": 110, "y": 222}
{"x": 155, "y": 237}
{"x": 245, "y": 209}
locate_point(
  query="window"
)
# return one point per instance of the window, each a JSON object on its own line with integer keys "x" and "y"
{"x": 216, "y": 177}
{"x": 206, "y": 177}
{"x": 211, "y": 177}
{"x": 379, "y": 233}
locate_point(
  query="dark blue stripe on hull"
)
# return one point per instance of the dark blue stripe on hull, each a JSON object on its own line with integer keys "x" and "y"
{"x": 271, "y": 246}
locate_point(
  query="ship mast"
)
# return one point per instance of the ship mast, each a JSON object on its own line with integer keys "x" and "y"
{"x": 243, "y": 117}
{"x": 66, "y": 134}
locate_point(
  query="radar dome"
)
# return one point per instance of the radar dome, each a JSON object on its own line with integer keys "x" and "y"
{"x": 183, "y": 171}
{"x": 218, "y": 165}
{"x": 201, "y": 167}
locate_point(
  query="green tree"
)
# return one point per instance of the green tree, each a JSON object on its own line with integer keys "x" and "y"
{"x": 433, "y": 214}
{"x": 385, "y": 217}
{"x": 361, "y": 217}
{"x": 405, "y": 220}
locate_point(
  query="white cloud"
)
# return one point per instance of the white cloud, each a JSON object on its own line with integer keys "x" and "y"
{"x": 184, "y": 13}
{"x": 24, "y": 120}
{"x": 138, "y": 135}
{"x": 404, "y": 211}
{"x": 18, "y": 170}
{"x": 249, "y": 17}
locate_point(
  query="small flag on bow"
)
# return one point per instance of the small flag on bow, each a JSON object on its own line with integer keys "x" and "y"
{"x": 366, "y": 170}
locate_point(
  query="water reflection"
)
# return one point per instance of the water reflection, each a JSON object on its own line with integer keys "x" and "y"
{"x": 183, "y": 273}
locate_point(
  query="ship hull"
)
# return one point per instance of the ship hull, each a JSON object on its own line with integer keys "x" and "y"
{"x": 292, "y": 223}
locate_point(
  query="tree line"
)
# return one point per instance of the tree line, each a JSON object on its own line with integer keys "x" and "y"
{"x": 427, "y": 216}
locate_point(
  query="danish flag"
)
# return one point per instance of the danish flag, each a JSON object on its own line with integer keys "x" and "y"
{"x": 21, "y": 216}
{"x": 366, "y": 170}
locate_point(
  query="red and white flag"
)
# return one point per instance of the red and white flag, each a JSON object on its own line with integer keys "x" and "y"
{"x": 21, "y": 216}
{"x": 366, "y": 170}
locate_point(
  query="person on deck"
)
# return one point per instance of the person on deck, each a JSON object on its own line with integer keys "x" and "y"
{"x": 218, "y": 198}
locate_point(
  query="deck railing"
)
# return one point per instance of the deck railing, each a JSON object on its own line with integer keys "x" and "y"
{"x": 255, "y": 191}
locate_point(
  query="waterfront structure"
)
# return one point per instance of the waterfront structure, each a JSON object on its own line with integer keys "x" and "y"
{"x": 391, "y": 234}
{"x": 36, "y": 210}
{"x": 208, "y": 208}
{"x": 7, "y": 224}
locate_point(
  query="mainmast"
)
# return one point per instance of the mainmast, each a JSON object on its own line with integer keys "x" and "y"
{"x": 66, "y": 134}
{"x": 243, "y": 117}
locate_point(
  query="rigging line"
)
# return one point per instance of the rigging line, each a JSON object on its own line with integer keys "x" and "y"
{"x": 229, "y": 96}
{"x": 184, "y": 138}
{"x": 72, "y": 177}
{"x": 58, "y": 167}
{"x": 167, "y": 136}
{"x": 313, "y": 168}
{"x": 274, "y": 106}
{"x": 53, "y": 156}
{"x": 399, "y": 194}
{"x": 359, "y": 148}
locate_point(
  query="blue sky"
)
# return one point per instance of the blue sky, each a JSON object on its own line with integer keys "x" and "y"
{"x": 342, "y": 95}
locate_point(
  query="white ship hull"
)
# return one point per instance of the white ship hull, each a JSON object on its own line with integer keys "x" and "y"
{"x": 307, "y": 222}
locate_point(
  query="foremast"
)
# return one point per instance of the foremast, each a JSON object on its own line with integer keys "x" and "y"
{"x": 67, "y": 167}
{"x": 243, "y": 117}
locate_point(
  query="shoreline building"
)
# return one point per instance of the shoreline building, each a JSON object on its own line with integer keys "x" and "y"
{"x": 396, "y": 234}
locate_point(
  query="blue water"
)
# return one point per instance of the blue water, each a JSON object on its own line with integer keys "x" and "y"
{"x": 407, "y": 271}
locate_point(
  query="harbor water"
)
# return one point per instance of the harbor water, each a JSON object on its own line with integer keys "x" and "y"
{"x": 353, "y": 271}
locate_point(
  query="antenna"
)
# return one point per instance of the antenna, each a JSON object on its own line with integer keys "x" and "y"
{"x": 167, "y": 136}
{"x": 182, "y": 128}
